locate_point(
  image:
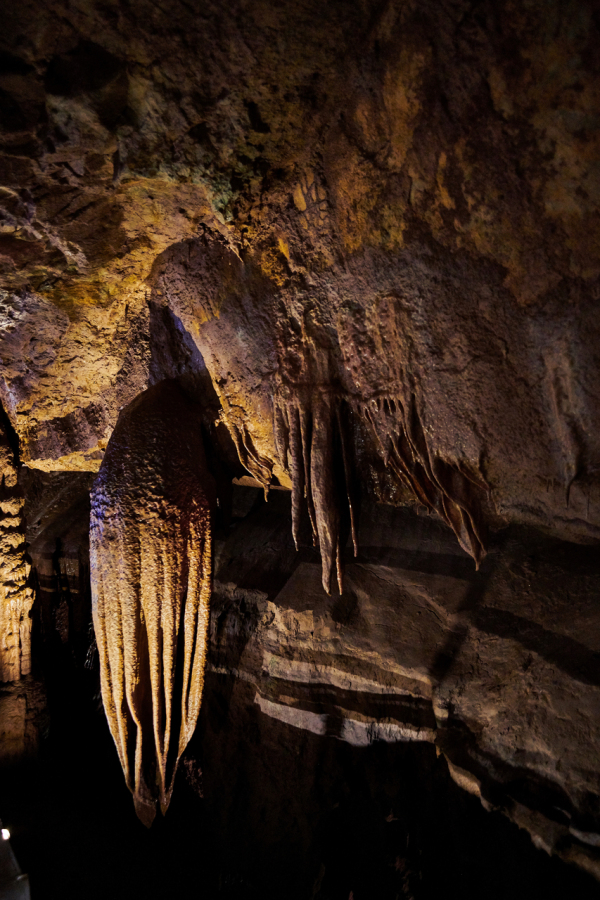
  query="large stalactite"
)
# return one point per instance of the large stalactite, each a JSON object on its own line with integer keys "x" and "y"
{"x": 312, "y": 446}
{"x": 151, "y": 572}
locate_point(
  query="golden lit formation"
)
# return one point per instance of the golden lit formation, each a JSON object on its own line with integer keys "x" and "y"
{"x": 150, "y": 553}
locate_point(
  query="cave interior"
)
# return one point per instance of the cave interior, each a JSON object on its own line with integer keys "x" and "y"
{"x": 300, "y": 449}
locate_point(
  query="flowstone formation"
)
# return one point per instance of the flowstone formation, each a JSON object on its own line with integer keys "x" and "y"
{"x": 150, "y": 553}
{"x": 16, "y": 598}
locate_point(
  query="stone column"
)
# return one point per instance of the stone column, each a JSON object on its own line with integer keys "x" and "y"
{"x": 16, "y": 598}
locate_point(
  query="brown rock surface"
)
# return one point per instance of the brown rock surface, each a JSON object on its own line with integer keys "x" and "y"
{"x": 16, "y": 598}
{"x": 395, "y": 205}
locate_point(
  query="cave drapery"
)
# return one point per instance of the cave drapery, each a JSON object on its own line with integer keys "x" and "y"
{"x": 150, "y": 554}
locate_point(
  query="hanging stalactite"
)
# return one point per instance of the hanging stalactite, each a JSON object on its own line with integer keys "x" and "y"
{"x": 440, "y": 486}
{"x": 312, "y": 446}
{"x": 16, "y": 599}
{"x": 150, "y": 547}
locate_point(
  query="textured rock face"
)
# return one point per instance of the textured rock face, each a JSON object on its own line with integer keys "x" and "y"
{"x": 150, "y": 555}
{"x": 494, "y": 670}
{"x": 23, "y": 722}
{"x": 391, "y": 206}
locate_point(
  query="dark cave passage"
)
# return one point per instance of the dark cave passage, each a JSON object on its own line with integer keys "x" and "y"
{"x": 263, "y": 808}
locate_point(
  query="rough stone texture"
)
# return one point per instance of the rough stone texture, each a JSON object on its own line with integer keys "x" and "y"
{"x": 398, "y": 206}
{"x": 150, "y": 561}
{"x": 57, "y": 511}
{"x": 497, "y": 669}
{"x": 23, "y": 721}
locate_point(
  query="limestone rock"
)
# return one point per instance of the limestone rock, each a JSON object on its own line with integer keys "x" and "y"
{"x": 396, "y": 209}
{"x": 372, "y": 233}
{"x": 497, "y": 668}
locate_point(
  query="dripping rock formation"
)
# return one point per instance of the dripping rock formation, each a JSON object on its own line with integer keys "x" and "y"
{"x": 306, "y": 295}
{"x": 150, "y": 555}
{"x": 16, "y": 598}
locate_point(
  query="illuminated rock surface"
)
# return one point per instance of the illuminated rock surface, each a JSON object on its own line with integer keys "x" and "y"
{"x": 398, "y": 208}
{"x": 497, "y": 668}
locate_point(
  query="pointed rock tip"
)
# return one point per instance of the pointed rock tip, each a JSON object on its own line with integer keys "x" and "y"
{"x": 144, "y": 811}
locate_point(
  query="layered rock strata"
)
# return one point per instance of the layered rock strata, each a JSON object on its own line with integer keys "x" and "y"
{"x": 150, "y": 555}
{"x": 497, "y": 668}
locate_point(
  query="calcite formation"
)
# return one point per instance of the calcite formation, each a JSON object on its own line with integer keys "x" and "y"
{"x": 411, "y": 191}
{"x": 305, "y": 437}
{"x": 150, "y": 553}
{"x": 16, "y": 598}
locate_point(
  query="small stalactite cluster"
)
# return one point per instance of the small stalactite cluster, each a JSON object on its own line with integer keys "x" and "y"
{"x": 315, "y": 446}
{"x": 440, "y": 486}
{"x": 16, "y": 599}
{"x": 259, "y": 467}
{"x": 312, "y": 445}
{"x": 150, "y": 543}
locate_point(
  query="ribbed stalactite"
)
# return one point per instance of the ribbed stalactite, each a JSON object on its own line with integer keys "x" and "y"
{"x": 150, "y": 554}
{"x": 442, "y": 487}
{"x": 259, "y": 467}
{"x": 16, "y": 599}
{"x": 311, "y": 445}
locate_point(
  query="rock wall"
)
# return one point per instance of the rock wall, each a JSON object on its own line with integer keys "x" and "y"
{"x": 496, "y": 668}
{"x": 395, "y": 205}
{"x": 366, "y": 238}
